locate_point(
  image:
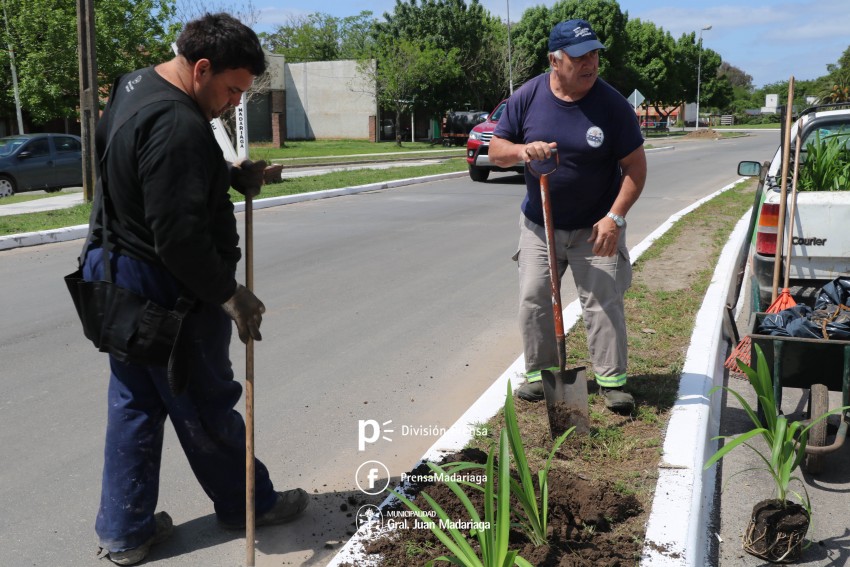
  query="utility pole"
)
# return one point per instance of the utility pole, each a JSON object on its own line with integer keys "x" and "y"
{"x": 14, "y": 72}
{"x": 89, "y": 99}
{"x": 510, "y": 63}
{"x": 699, "y": 72}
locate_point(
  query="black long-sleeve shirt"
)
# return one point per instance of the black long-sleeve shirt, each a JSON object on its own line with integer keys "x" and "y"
{"x": 167, "y": 184}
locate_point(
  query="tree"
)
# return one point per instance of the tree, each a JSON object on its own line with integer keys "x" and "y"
{"x": 187, "y": 10}
{"x": 129, "y": 34}
{"x": 449, "y": 25}
{"x": 648, "y": 61}
{"x": 403, "y": 67}
{"x": 530, "y": 37}
{"x": 737, "y": 78}
{"x": 322, "y": 37}
{"x": 835, "y": 86}
{"x": 715, "y": 90}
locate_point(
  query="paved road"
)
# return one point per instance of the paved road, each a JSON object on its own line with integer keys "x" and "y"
{"x": 392, "y": 305}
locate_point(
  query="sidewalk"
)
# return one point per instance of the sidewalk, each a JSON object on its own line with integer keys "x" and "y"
{"x": 62, "y": 201}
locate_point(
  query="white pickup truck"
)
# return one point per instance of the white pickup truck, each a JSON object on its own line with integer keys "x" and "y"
{"x": 820, "y": 243}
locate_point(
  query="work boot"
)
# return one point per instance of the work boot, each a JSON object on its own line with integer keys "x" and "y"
{"x": 164, "y": 528}
{"x": 531, "y": 391}
{"x": 290, "y": 504}
{"x": 618, "y": 400}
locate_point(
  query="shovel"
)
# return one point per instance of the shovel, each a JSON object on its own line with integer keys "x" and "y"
{"x": 565, "y": 390}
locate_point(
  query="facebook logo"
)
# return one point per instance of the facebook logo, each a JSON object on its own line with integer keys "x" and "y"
{"x": 372, "y": 477}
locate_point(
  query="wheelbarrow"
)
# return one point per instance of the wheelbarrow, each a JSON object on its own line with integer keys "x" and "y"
{"x": 816, "y": 365}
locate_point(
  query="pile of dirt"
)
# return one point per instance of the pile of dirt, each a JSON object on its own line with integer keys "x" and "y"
{"x": 702, "y": 134}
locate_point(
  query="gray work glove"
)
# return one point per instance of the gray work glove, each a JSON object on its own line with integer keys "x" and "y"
{"x": 246, "y": 311}
{"x": 247, "y": 176}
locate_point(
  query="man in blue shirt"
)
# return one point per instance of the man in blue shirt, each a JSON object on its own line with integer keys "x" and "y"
{"x": 601, "y": 175}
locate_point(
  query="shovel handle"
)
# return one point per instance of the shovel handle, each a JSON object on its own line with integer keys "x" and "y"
{"x": 793, "y": 208}
{"x": 250, "y": 489}
{"x": 783, "y": 192}
{"x": 554, "y": 279}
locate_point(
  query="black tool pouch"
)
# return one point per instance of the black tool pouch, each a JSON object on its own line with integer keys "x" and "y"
{"x": 125, "y": 324}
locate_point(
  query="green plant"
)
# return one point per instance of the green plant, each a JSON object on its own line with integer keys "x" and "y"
{"x": 415, "y": 549}
{"x": 492, "y": 532}
{"x": 786, "y": 441}
{"x": 827, "y": 164}
{"x": 533, "y": 511}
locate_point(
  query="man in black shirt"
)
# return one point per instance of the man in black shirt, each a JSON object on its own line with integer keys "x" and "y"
{"x": 173, "y": 232}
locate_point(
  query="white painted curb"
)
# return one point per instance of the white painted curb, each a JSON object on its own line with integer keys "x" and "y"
{"x": 678, "y": 533}
{"x": 80, "y": 231}
{"x": 688, "y": 416}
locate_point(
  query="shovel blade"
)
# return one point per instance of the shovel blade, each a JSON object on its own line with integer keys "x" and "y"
{"x": 566, "y": 400}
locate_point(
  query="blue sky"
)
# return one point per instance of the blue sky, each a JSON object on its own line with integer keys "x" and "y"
{"x": 769, "y": 40}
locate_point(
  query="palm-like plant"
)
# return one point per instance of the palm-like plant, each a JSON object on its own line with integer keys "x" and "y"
{"x": 827, "y": 164}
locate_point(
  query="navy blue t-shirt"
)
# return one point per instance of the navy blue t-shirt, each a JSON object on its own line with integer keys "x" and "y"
{"x": 592, "y": 134}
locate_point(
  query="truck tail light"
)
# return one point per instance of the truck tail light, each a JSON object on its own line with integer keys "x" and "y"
{"x": 767, "y": 229}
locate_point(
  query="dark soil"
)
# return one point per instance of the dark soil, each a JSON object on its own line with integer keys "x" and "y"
{"x": 562, "y": 416}
{"x": 596, "y": 517}
{"x": 777, "y": 532}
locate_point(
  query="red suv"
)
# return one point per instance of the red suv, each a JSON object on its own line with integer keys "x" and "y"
{"x": 478, "y": 144}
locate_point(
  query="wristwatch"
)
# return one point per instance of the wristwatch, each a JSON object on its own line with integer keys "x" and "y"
{"x": 618, "y": 220}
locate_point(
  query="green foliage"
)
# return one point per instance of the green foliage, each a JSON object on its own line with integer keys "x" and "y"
{"x": 533, "y": 511}
{"x": 465, "y": 29}
{"x": 652, "y": 50}
{"x": 827, "y": 164}
{"x": 43, "y": 33}
{"x": 492, "y": 531}
{"x": 786, "y": 442}
{"x": 404, "y": 74}
{"x": 322, "y": 37}
{"x": 837, "y": 87}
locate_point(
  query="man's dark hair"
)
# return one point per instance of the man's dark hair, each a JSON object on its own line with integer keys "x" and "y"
{"x": 225, "y": 41}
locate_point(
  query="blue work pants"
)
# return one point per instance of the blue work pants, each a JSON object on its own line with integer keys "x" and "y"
{"x": 210, "y": 430}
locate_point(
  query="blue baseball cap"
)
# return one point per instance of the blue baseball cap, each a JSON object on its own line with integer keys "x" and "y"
{"x": 575, "y": 37}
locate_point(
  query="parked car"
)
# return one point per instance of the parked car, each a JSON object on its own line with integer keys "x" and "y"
{"x": 31, "y": 162}
{"x": 478, "y": 146}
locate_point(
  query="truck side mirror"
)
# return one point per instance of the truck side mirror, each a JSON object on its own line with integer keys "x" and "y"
{"x": 749, "y": 168}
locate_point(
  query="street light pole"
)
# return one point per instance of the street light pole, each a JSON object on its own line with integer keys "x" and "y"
{"x": 510, "y": 66}
{"x": 14, "y": 73}
{"x": 699, "y": 72}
